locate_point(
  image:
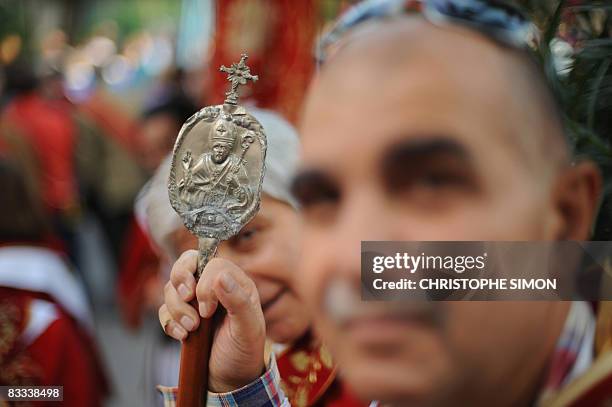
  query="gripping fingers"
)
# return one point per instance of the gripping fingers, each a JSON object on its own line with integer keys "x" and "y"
{"x": 180, "y": 311}
{"x": 235, "y": 297}
{"x": 182, "y": 273}
{"x": 207, "y": 299}
{"x": 240, "y": 298}
{"x": 170, "y": 327}
{"x": 228, "y": 284}
{"x": 220, "y": 273}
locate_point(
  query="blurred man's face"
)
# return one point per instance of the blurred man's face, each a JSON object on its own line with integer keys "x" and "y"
{"x": 422, "y": 145}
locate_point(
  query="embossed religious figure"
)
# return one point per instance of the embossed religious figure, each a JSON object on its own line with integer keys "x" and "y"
{"x": 218, "y": 177}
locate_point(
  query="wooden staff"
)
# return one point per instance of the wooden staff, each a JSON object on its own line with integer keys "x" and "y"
{"x": 195, "y": 350}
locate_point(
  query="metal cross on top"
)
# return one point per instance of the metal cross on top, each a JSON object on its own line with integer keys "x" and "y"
{"x": 239, "y": 73}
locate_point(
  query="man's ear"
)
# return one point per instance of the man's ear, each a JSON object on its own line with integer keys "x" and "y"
{"x": 576, "y": 198}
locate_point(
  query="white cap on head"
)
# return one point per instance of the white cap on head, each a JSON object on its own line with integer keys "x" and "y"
{"x": 159, "y": 220}
{"x": 282, "y": 156}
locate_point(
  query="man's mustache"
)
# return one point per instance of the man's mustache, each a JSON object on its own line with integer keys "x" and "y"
{"x": 342, "y": 303}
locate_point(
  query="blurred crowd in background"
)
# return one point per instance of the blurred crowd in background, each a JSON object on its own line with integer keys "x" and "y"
{"x": 92, "y": 96}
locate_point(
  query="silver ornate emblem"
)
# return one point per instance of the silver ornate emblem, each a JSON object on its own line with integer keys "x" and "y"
{"x": 218, "y": 167}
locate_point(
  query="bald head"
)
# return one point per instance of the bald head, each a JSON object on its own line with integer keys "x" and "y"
{"x": 498, "y": 82}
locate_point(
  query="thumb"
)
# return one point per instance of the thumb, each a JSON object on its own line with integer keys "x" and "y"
{"x": 238, "y": 295}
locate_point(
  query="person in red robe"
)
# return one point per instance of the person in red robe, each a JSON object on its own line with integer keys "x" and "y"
{"x": 45, "y": 124}
{"x": 46, "y": 330}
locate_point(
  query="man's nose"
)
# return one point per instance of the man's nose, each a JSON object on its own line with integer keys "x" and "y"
{"x": 363, "y": 216}
{"x": 366, "y": 215}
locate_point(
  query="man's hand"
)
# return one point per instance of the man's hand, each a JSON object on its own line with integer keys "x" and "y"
{"x": 237, "y": 352}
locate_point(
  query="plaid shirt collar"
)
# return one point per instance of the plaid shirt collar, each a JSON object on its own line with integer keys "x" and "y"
{"x": 266, "y": 391}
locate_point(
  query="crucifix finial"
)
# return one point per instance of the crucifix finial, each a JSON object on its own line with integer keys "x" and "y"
{"x": 238, "y": 74}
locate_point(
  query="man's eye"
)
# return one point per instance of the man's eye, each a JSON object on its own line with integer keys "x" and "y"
{"x": 247, "y": 235}
{"x": 433, "y": 179}
{"x": 246, "y": 240}
{"x": 432, "y": 189}
{"x": 314, "y": 198}
{"x": 317, "y": 194}
{"x": 318, "y": 205}
{"x": 441, "y": 180}
{"x": 321, "y": 212}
